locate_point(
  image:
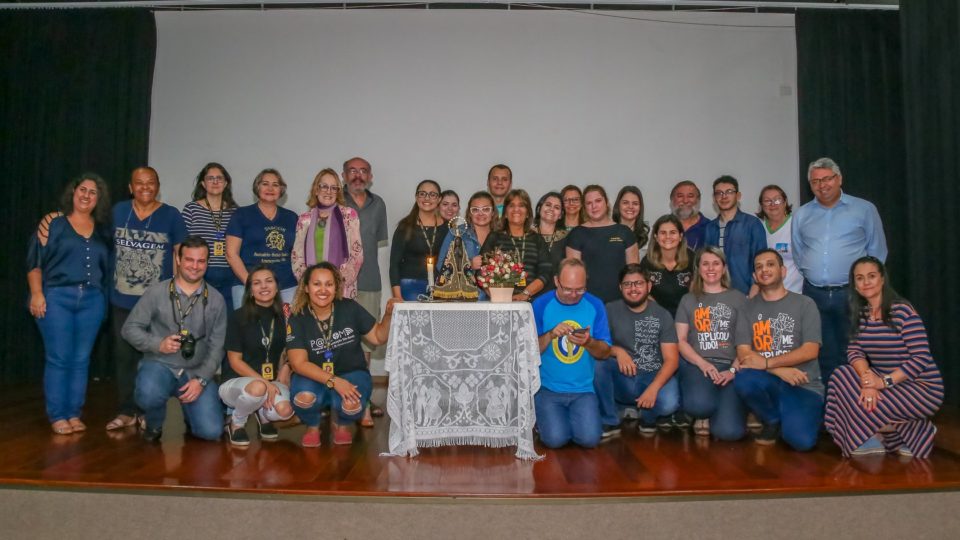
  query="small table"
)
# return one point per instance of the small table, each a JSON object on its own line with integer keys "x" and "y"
{"x": 462, "y": 374}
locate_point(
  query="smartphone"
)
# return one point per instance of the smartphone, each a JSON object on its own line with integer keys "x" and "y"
{"x": 581, "y": 330}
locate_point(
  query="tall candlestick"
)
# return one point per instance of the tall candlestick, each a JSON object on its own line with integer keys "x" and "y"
{"x": 429, "y": 272}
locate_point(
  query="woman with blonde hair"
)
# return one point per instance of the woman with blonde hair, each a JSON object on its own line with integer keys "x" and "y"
{"x": 329, "y": 231}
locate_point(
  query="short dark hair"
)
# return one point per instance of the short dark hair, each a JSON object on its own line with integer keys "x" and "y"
{"x": 500, "y": 166}
{"x": 633, "y": 268}
{"x": 727, "y": 179}
{"x": 192, "y": 241}
{"x": 769, "y": 250}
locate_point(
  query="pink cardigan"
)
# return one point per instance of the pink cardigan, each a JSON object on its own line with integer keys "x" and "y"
{"x": 350, "y": 268}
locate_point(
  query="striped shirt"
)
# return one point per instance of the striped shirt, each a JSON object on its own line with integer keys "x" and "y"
{"x": 902, "y": 345}
{"x": 202, "y": 222}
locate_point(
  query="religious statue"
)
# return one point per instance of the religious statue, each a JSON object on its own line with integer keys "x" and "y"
{"x": 456, "y": 282}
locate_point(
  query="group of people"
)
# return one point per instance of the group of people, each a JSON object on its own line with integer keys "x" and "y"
{"x": 712, "y": 321}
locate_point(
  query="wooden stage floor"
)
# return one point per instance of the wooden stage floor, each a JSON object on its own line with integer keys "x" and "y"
{"x": 669, "y": 464}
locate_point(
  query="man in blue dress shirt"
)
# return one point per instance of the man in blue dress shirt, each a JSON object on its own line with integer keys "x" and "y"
{"x": 829, "y": 233}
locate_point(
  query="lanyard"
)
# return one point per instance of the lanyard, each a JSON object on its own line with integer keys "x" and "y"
{"x": 326, "y": 334}
{"x": 217, "y": 216}
{"x": 520, "y": 252}
{"x": 177, "y": 308}
{"x": 431, "y": 239}
{"x": 266, "y": 338}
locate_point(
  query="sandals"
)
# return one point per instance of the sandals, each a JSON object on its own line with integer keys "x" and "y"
{"x": 61, "y": 427}
{"x": 367, "y": 420}
{"x": 120, "y": 423}
{"x": 375, "y": 410}
{"x": 77, "y": 425}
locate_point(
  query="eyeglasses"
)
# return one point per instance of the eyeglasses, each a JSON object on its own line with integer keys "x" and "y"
{"x": 214, "y": 179}
{"x": 481, "y": 209}
{"x": 772, "y": 202}
{"x": 328, "y": 188}
{"x": 729, "y": 193}
{"x": 432, "y": 195}
{"x": 632, "y": 284}
{"x": 568, "y": 290}
{"x": 358, "y": 171}
{"x": 826, "y": 179}
{"x": 571, "y": 200}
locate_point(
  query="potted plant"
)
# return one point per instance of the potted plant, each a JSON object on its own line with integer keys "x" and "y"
{"x": 499, "y": 273}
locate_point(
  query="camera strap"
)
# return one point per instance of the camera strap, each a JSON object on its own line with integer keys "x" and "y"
{"x": 177, "y": 309}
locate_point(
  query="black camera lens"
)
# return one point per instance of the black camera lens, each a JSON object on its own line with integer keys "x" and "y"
{"x": 188, "y": 346}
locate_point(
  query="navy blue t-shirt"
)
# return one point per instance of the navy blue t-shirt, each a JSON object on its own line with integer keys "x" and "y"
{"x": 143, "y": 250}
{"x": 266, "y": 241}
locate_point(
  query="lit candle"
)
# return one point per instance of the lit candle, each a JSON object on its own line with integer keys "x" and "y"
{"x": 429, "y": 272}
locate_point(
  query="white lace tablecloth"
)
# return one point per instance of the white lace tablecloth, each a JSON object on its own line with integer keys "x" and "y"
{"x": 462, "y": 374}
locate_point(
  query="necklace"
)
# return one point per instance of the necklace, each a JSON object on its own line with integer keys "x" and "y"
{"x": 522, "y": 250}
{"x": 326, "y": 332}
{"x": 267, "y": 338}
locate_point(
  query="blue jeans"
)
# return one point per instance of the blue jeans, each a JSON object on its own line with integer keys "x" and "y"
{"x": 69, "y": 330}
{"x": 565, "y": 417}
{"x": 222, "y": 280}
{"x": 798, "y": 411}
{"x": 156, "y": 384}
{"x": 834, "y": 326}
{"x": 720, "y": 404}
{"x": 411, "y": 288}
{"x": 310, "y": 416}
{"x": 614, "y": 390}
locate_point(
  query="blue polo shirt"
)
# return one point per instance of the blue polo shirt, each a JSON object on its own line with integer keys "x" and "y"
{"x": 565, "y": 367}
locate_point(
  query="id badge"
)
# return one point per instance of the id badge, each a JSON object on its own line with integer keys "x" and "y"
{"x": 266, "y": 371}
{"x": 327, "y": 366}
{"x": 522, "y": 282}
{"x": 219, "y": 248}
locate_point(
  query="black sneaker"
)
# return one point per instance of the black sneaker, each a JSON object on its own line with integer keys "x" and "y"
{"x": 238, "y": 435}
{"x": 610, "y": 431}
{"x": 647, "y": 428}
{"x": 268, "y": 431}
{"x": 152, "y": 435}
{"x": 665, "y": 423}
{"x": 680, "y": 420}
{"x": 768, "y": 435}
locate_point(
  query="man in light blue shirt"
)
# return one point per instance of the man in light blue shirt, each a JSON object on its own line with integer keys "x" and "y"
{"x": 829, "y": 233}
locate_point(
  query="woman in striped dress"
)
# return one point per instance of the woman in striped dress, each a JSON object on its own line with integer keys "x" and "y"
{"x": 883, "y": 399}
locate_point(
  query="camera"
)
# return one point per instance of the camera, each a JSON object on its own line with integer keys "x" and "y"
{"x": 188, "y": 345}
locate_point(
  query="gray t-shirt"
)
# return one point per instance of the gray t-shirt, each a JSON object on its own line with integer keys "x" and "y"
{"x": 775, "y": 328}
{"x": 713, "y": 324}
{"x": 373, "y": 235}
{"x": 641, "y": 333}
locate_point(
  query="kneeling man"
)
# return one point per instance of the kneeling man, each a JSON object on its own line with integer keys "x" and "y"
{"x": 778, "y": 340}
{"x": 573, "y": 330}
{"x": 179, "y": 324}
{"x": 646, "y": 354}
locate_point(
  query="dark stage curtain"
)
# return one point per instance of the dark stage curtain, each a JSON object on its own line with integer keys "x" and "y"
{"x": 850, "y": 107}
{"x": 74, "y": 96}
{"x": 931, "y": 92}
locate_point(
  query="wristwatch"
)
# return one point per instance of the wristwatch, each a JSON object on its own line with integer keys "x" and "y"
{"x": 888, "y": 381}
{"x": 330, "y": 382}
{"x": 202, "y": 381}
{"x": 733, "y": 370}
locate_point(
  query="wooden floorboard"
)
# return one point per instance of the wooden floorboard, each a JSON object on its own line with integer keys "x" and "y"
{"x": 667, "y": 465}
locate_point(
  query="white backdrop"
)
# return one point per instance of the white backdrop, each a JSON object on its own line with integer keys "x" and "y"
{"x": 561, "y": 97}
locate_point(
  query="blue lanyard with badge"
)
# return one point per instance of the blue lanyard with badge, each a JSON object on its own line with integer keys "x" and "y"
{"x": 326, "y": 335}
{"x": 219, "y": 242}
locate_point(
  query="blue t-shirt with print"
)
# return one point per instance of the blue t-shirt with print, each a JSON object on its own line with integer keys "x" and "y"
{"x": 266, "y": 241}
{"x": 143, "y": 250}
{"x": 565, "y": 367}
